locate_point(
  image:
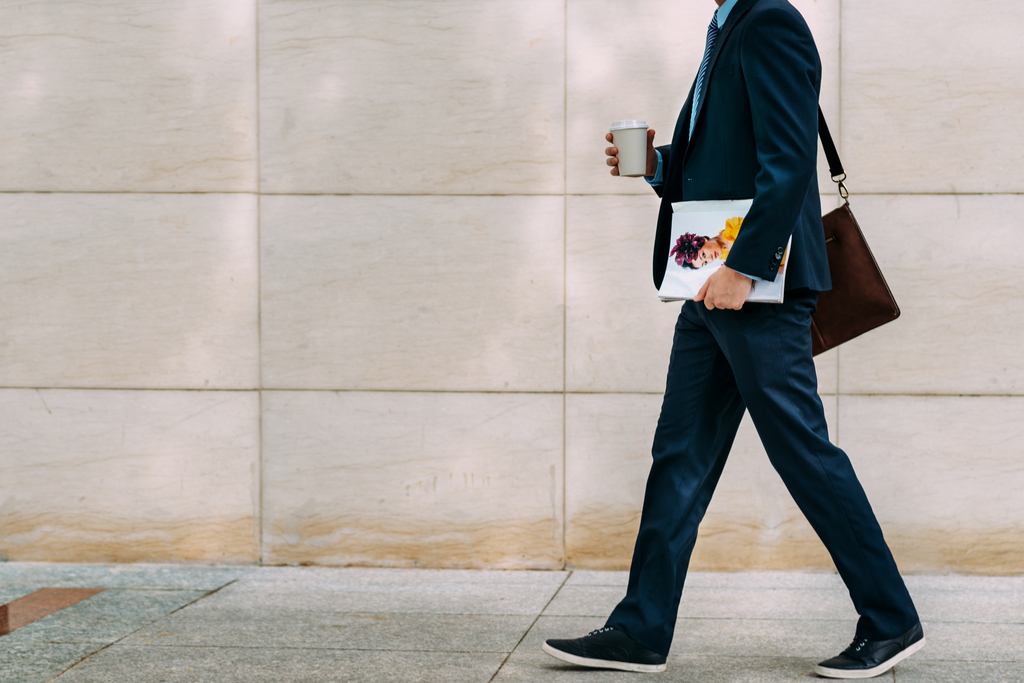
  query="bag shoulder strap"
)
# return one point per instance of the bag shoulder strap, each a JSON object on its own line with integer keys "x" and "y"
{"x": 835, "y": 165}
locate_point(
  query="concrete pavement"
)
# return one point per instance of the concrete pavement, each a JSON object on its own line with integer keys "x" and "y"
{"x": 178, "y": 624}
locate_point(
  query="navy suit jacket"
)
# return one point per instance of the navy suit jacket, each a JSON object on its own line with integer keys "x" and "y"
{"x": 756, "y": 135}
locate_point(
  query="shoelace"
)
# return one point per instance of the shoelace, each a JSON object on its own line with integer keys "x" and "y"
{"x": 600, "y": 630}
{"x": 856, "y": 646}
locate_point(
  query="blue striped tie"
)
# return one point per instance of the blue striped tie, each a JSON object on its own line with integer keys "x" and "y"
{"x": 708, "y": 48}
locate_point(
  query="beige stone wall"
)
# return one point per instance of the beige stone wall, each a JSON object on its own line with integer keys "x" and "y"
{"x": 347, "y": 282}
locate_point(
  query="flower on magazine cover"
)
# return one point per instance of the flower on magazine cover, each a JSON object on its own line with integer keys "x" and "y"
{"x": 687, "y": 249}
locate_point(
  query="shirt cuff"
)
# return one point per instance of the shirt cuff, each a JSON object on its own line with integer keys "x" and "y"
{"x": 752, "y": 277}
{"x": 658, "y": 177}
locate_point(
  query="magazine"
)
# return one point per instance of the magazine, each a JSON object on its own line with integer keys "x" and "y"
{"x": 702, "y": 235}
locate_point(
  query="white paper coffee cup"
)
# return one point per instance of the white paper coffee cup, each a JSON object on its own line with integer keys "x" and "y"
{"x": 630, "y": 136}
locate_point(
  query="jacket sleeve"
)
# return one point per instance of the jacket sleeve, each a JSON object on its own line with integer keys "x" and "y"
{"x": 664, "y": 151}
{"x": 782, "y": 73}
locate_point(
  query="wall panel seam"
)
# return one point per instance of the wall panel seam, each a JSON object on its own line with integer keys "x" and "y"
{"x": 865, "y": 193}
{"x": 259, "y": 294}
{"x": 208, "y": 390}
{"x": 565, "y": 259}
{"x": 525, "y": 392}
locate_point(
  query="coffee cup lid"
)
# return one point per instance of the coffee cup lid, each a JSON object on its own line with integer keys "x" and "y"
{"x": 628, "y": 123}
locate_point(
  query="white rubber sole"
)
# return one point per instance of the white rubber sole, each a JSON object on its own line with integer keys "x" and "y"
{"x": 870, "y": 673}
{"x": 602, "y": 663}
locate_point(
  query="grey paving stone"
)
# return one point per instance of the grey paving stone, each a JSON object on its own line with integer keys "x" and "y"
{"x": 25, "y": 662}
{"x": 716, "y": 602}
{"x": 589, "y": 577}
{"x": 557, "y": 627}
{"x": 121, "y": 663}
{"x": 348, "y": 578}
{"x": 970, "y": 605}
{"x": 585, "y": 601}
{"x": 160, "y": 576}
{"x": 532, "y": 667}
{"x": 105, "y": 617}
{"x": 916, "y": 670}
{"x": 972, "y": 641}
{"x": 961, "y": 583}
{"x": 766, "y": 603}
{"x": 393, "y": 596}
{"x": 7, "y": 594}
{"x": 812, "y": 580}
{"x": 202, "y": 625}
{"x": 541, "y": 667}
{"x": 813, "y": 640}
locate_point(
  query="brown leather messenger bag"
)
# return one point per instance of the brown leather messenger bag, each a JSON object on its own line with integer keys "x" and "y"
{"x": 860, "y": 299}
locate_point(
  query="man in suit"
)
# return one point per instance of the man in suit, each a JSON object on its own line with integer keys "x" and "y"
{"x": 749, "y": 129}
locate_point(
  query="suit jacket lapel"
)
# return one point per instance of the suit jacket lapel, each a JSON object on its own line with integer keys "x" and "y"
{"x": 734, "y": 18}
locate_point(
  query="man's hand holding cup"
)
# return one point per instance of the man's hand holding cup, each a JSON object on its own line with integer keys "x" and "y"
{"x": 628, "y": 155}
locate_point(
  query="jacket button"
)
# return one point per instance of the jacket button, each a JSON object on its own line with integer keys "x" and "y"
{"x": 780, "y": 252}
{"x": 773, "y": 267}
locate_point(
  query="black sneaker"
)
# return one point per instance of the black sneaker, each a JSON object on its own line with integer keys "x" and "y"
{"x": 866, "y": 658}
{"x": 606, "y": 648}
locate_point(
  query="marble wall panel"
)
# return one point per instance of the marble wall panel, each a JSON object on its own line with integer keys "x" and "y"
{"x": 128, "y": 96}
{"x": 459, "y": 293}
{"x": 618, "y": 334}
{"x": 413, "y": 480}
{"x": 129, "y": 290}
{"x": 637, "y": 60}
{"x": 944, "y": 474}
{"x": 442, "y": 96}
{"x": 952, "y": 263}
{"x": 751, "y": 522}
{"x": 932, "y": 108}
{"x": 827, "y": 367}
{"x": 129, "y": 476}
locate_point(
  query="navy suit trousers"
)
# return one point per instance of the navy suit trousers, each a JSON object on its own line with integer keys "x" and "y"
{"x": 758, "y": 359}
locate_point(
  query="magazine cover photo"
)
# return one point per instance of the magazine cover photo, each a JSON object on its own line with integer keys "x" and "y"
{"x": 702, "y": 235}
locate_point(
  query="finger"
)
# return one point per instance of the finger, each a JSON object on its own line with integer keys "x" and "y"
{"x": 612, "y": 161}
{"x": 611, "y": 151}
{"x": 609, "y": 138}
{"x": 650, "y": 135}
{"x": 615, "y": 170}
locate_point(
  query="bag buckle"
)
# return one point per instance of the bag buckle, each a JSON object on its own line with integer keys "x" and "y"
{"x": 843, "y": 192}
